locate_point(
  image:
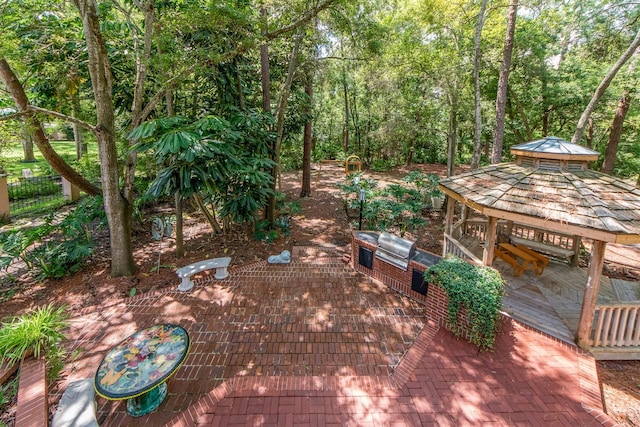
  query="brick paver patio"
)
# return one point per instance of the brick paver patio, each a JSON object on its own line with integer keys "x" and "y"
{"x": 316, "y": 343}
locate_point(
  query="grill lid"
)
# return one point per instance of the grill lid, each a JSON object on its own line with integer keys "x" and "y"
{"x": 395, "y": 250}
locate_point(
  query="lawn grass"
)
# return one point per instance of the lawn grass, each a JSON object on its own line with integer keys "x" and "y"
{"x": 12, "y": 157}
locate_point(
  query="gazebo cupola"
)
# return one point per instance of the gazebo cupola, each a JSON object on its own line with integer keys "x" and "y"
{"x": 552, "y": 154}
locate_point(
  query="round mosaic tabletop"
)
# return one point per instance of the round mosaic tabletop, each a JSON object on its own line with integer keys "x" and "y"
{"x": 142, "y": 361}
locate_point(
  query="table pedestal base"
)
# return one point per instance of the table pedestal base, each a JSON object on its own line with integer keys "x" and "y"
{"x": 147, "y": 402}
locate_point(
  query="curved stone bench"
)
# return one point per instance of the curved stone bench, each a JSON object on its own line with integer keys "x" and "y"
{"x": 185, "y": 273}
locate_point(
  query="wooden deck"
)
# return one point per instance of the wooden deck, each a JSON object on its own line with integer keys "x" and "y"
{"x": 550, "y": 302}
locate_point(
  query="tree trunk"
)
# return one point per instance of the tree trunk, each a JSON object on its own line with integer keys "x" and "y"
{"x": 602, "y": 87}
{"x": 282, "y": 107}
{"x": 264, "y": 66}
{"x": 168, "y": 96}
{"x": 179, "y": 232}
{"x": 27, "y": 146}
{"x": 453, "y": 130}
{"x": 345, "y": 126}
{"x": 142, "y": 54}
{"x": 115, "y": 205}
{"x": 308, "y": 136}
{"x": 210, "y": 217}
{"x": 241, "y": 104}
{"x": 81, "y": 146}
{"x": 589, "y": 140}
{"x": 477, "y": 62}
{"x": 616, "y": 132}
{"x": 503, "y": 82}
{"x": 32, "y": 123}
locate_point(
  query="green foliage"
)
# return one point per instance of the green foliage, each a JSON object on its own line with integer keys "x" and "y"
{"x": 426, "y": 184}
{"x": 395, "y": 207}
{"x": 8, "y": 392}
{"x": 478, "y": 289}
{"x": 286, "y": 209}
{"x": 12, "y": 156}
{"x": 39, "y": 332}
{"x": 263, "y": 233}
{"x": 55, "y": 250}
{"x": 223, "y": 159}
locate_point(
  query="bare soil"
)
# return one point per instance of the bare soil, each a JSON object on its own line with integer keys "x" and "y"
{"x": 323, "y": 221}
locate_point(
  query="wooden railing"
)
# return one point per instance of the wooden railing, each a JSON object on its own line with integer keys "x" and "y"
{"x": 452, "y": 246}
{"x": 616, "y": 325}
{"x": 546, "y": 237}
{"x": 562, "y": 245}
{"x": 477, "y": 228}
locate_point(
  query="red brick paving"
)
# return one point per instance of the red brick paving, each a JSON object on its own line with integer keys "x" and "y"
{"x": 316, "y": 343}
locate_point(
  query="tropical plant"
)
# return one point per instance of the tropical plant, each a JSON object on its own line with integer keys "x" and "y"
{"x": 39, "y": 332}
{"x": 54, "y": 250}
{"x": 479, "y": 289}
{"x": 216, "y": 160}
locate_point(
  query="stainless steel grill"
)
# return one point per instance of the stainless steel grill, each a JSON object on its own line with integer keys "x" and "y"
{"x": 395, "y": 250}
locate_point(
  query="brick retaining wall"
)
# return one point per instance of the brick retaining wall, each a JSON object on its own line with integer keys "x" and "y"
{"x": 33, "y": 408}
{"x": 399, "y": 280}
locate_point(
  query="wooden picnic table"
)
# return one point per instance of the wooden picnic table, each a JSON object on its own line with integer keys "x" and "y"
{"x": 531, "y": 260}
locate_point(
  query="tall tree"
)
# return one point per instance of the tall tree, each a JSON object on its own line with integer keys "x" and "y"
{"x": 115, "y": 204}
{"x": 616, "y": 131}
{"x": 307, "y": 143}
{"x": 503, "y": 82}
{"x": 602, "y": 87}
{"x": 477, "y": 62}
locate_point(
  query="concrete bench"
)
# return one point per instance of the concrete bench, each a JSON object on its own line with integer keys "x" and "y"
{"x": 185, "y": 273}
{"x": 77, "y": 407}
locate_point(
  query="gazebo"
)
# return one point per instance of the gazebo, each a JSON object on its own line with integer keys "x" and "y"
{"x": 553, "y": 199}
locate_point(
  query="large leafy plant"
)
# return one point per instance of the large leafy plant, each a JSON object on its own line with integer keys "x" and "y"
{"x": 220, "y": 161}
{"x": 479, "y": 289}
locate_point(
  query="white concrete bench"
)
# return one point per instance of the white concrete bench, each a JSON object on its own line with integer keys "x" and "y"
{"x": 77, "y": 407}
{"x": 185, "y": 273}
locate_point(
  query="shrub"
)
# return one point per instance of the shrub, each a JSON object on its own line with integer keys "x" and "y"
{"x": 39, "y": 332}
{"x": 55, "y": 250}
{"x": 395, "y": 207}
{"x": 478, "y": 288}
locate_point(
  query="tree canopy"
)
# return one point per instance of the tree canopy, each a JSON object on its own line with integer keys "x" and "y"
{"x": 392, "y": 82}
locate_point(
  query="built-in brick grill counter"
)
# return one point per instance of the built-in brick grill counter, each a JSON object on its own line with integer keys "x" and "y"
{"x": 395, "y": 250}
{"x": 398, "y": 264}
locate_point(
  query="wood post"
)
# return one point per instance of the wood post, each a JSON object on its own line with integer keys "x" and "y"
{"x": 4, "y": 199}
{"x": 448, "y": 225}
{"x": 591, "y": 294}
{"x": 490, "y": 243}
{"x": 577, "y": 243}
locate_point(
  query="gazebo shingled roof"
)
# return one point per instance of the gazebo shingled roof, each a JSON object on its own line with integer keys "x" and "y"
{"x": 550, "y": 186}
{"x": 573, "y": 200}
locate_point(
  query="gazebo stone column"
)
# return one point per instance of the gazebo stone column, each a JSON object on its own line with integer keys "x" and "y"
{"x": 490, "y": 243}
{"x": 591, "y": 294}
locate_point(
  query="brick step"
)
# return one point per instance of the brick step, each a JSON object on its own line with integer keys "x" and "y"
{"x": 317, "y": 252}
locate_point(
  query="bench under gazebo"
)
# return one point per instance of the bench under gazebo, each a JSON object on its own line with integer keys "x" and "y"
{"x": 546, "y": 202}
